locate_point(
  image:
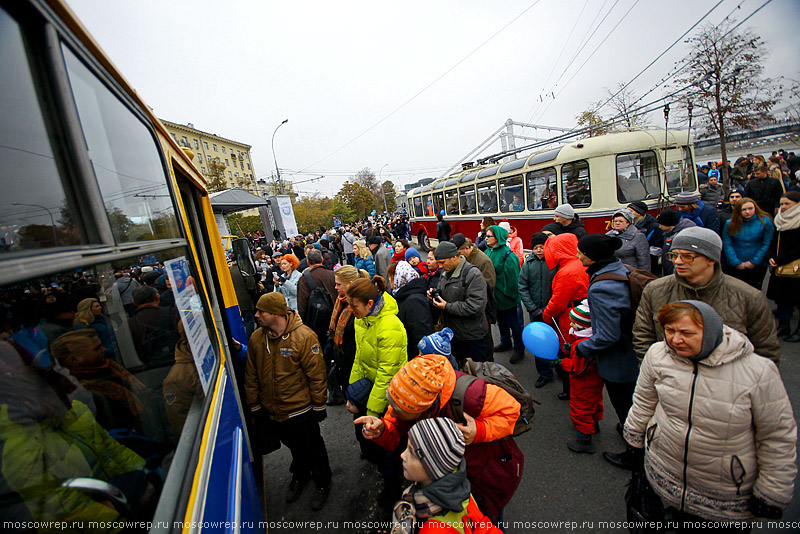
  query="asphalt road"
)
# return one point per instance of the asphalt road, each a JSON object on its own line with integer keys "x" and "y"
{"x": 561, "y": 491}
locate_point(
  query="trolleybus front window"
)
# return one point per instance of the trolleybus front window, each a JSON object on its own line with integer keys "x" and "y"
{"x": 34, "y": 212}
{"x": 125, "y": 160}
{"x": 418, "y": 211}
{"x": 637, "y": 177}
{"x": 542, "y": 193}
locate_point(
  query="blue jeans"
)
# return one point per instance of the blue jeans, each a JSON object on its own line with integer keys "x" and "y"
{"x": 509, "y": 320}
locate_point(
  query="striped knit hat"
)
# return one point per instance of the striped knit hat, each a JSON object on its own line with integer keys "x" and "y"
{"x": 580, "y": 315}
{"x": 439, "y": 445}
{"x": 417, "y": 384}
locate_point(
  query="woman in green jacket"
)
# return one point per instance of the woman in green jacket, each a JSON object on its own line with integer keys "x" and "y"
{"x": 506, "y": 292}
{"x": 381, "y": 342}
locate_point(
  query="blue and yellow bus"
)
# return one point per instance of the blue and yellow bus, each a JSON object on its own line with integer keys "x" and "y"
{"x": 120, "y": 408}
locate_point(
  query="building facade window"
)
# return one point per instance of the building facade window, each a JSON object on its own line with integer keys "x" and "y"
{"x": 196, "y": 144}
{"x": 215, "y": 148}
{"x": 223, "y": 150}
{"x": 230, "y": 175}
{"x": 234, "y": 163}
{"x": 185, "y": 141}
{"x": 206, "y": 144}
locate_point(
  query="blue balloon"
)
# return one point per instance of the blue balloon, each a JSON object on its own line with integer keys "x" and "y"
{"x": 541, "y": 340}
{"x": 442, "y": 212}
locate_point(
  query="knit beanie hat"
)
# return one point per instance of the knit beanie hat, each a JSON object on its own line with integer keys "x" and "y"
{"x": 374, "y": 240}
{"x": 439, "y": 445}
{"x": 505, "y": 225}
{"x": 625, "y": 214}
{"x": 566, "y": 211}
{"x": 445, "y": 250}
{"x": 687, "y": 198}
{"x": 274, "y": 303}
{"x": 668, "y": 217}
{"x": 538, "y": 238}
{"x": 553, "y": 228}
{"x": 411, "y": 252}
{"x": 437, "y": 343}
{"x": 458, "y": 240}
{"x": 701, "y": 240}
{"x": 713, "y": 172}
{"x": 417, "y": 384}
{"x": 599, "y": 246}
{"x": 639, "y": 207}
{"x": 358, "y": 392}
{"x": 580, "y": 315}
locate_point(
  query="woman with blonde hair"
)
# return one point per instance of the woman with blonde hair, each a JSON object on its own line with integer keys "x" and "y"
{"x": 364, "y": 258}
{"x": 340, "y": 350}
{"x": 90, "y": 315}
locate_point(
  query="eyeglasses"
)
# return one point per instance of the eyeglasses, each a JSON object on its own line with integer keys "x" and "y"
{"x": 489, "y": 235}
{"x": 686, "y": 257}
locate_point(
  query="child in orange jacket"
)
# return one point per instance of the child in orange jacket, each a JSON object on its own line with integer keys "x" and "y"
{"x": 586, "y": 386}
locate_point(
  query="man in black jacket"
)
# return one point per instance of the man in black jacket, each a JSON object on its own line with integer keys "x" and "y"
{"x": 765, "y": 190}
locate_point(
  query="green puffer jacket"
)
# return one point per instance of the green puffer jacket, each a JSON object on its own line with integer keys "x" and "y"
{"x": 380, "y": 351}
{"x": 37, "y": 457}
{"x": 506, "y": 290}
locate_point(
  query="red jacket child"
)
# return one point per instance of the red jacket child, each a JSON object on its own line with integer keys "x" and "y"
{"x": 586, "y": 386}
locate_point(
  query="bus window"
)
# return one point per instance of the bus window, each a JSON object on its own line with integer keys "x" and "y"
{"x": 429, "y": 209}
{"x": 418, "y": 211}
{"x": 466, "y": 197}
{"x": 487, "y": 197}
{"x": 680, "y": 174}
{"x": 637, "y": 176}
{"x": 451, "y": 201}
{"x": 511, "y": 196}
{"x": 125, "y": 160}
{"x": 575, "y": 184}
{"x": 36, "y": 215}
{"x": 542, "y": 192}
{"x": 114, "y": 376}
{"x": 438, "y": 202}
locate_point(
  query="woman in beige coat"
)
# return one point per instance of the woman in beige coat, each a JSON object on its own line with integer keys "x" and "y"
{"x": 714, "y": 420}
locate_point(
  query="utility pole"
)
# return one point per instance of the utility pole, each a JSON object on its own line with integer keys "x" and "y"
{"x": 383, "y": 193}
{"x": 275, "y": 159}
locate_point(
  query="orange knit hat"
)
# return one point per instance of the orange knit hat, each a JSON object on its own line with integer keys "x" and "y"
{"x": 417, "y": 384}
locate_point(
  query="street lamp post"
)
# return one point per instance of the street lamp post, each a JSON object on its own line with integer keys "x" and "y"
{"x": 383, "y": 193}
{"x": 50, "y": 213}
{"x": 277, "y": 170}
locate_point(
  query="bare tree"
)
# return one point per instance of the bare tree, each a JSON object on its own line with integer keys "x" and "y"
{"x": 728, "y": 87}
{"x": 623, "y": 101}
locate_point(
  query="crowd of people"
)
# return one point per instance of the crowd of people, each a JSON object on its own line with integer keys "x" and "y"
{"x": 662, "y": 312}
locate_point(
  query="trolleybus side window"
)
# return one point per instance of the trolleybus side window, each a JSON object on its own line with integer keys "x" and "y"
{"x": 487, "y": 197}
{"x": 37, "y": 214}
{"x": 575, "y": 184}
{"x": 418, "y": 211}
{"x": 680, "y": 171}
{"x": 438, "y": 202}
{"x": 542, "y": 192}
{"x": 451, "y": 201}
{"x": 128, "y": 169}
{"x": 429, "y": 208}
{"x": 512, "y": 197}
{"x": 637, "y": 176}
{"x": 466, "y": 197}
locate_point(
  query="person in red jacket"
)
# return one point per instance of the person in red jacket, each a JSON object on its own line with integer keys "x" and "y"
{"x": 439, "y": 500}
{"x": 570, "y": 285}
{"x": 586, "y": 395}
{"x": 423, "y": 389}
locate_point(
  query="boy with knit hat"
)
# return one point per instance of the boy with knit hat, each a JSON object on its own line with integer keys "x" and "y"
{"x": 586, "y": 385}
{"x": 415, "y": 260}
{"x": 439, "y": 499}
{"x": 423, "y": 389}
{"x": 438, "y": 343}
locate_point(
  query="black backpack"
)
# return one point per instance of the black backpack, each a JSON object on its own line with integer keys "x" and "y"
{"x": 637, "y": 279}
{"x": 319, "y": 309}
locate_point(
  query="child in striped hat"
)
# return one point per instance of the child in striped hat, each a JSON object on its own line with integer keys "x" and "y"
{"x": 439, "y": 499}
{"x": 586, "y": 386}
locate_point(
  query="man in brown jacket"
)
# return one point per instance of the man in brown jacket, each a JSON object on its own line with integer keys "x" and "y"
{"x": 286, "y": 390}
{"x": 695, "y": 253}
{"x": 476, "y": 257}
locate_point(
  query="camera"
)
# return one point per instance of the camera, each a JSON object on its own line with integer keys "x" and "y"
{"x": 435, "y": 293}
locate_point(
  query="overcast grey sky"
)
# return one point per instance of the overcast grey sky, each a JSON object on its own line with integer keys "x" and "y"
{"x": 415, "y": 84}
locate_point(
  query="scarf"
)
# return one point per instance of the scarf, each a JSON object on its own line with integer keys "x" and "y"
{"x": 403, "y": 274}
{"x": 789, "y": 219}
{"x": 412, "y": 507}
{"x": 339, "y": 319}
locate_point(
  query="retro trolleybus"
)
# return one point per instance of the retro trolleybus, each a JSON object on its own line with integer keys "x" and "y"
{"x": 118, "y": 403}
{"x": 596, "y": 176}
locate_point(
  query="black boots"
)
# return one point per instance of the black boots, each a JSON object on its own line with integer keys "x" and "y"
{"x": 795, "y": 337}
{"x": 630, "y": 459}
{"x": 583, "y": 443}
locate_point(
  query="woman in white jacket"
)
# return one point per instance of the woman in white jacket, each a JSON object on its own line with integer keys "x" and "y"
{"x": 714, "y": 420}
